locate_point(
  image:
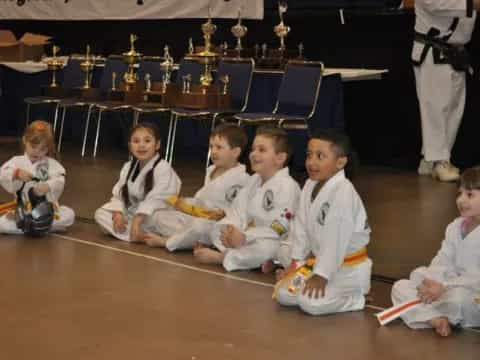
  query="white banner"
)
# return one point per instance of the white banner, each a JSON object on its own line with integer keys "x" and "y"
{"x": 128, "y": 9}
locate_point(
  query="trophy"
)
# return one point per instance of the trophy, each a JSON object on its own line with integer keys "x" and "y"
{"x": 131, "y": 58}
{"x": 208, "y": 55}
{"x": 264, "y": 50}
{"x": 114, "y": 81}
{"x": 239, "y": 31}
{"x": 54, "y": 64}
{"x": 225, "y": 80}
{"x": 87, "y": 67}
{"x": 187, "y": 80}
{"x": 282, "y": 30}
{"x": 167, "y": 66}
{"x": 301, "y": 49}
{"x": 191, "y": 48}
{"x": 148, "y": 82}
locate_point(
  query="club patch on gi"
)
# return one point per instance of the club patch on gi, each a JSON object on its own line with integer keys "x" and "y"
{"x": 41, "y": 172}
{"x": 268, "y": 200}
{"x": 232, "y": 193}
{"x": 323, "y": 213}
{"x": 278, "y": 227}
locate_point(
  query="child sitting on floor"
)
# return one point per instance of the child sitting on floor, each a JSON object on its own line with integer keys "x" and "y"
{"x": 145, "y": 184}
{"x": 449, "y": 288}
{"x": 191, "y": 219}
{"x": 330, "y": 269}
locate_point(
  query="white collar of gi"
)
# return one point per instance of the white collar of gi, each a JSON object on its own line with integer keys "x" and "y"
{"x": 339, "y": 176}
{"x": 149, "y": 164}
{"x": 284, "y": 172}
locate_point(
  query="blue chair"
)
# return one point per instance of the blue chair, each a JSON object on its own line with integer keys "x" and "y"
{"x": 187, "y": 66}
{"x": 113, "y": 64}
{"x": 72, "y": 77}
{"x": 240, "y": 73}
{"x": 297, "y": 97}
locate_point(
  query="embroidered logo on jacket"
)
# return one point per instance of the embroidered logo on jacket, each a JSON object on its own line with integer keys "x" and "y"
{"x": 268, "y": 200}
{"x": 323, "y": 213}
{"x": 41, "y": 171}
{"x": 232, "y": 193}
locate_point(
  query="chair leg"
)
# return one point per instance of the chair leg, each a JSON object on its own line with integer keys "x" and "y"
{"x": 60, "y": 135}
{"x": 169, "y": 137}
{"x": 87, "y": 125}
{"x": 174, "y": 134}
{"x": 55, "y": 118}
{"x": 27, "y": 115}
{"x": 214, "y": 118}
{"x": 98, "y": 132}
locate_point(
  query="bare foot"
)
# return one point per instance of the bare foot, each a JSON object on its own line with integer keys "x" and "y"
{"x": 268, "y": 267}
{"x": 155, "y": 240}
{"x": 441, "y": 326}
{"x": 208, "y": 256}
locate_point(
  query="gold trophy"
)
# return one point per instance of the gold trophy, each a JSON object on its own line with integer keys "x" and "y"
{"x": 167, "y": 67}
{"x": 87, "y": 67}
{"x": 239, "y": 31}
{"x": 131, "y": 58}
{"x": 207, "y": 54}
{"x": 54, "y": 64}
{"x": 225, "y": 80}
{"x": 282, "y": 30}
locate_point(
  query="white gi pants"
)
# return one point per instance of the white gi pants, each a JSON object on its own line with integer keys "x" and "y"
{"x": 457, "y": 304}
{"x": 250, "y": 256}
{"x": 441, "y": 93}
{"x": 104, "y": 219}
{"x": 344, "y": 292}
{"x": 66, "y": 218}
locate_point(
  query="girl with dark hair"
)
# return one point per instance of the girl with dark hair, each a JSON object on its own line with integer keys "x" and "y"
{"x": 145, "y": 183}
{"x": 330, "y": 269}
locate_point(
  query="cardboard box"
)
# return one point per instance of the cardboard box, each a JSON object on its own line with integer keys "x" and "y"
{"x": 29, "y": 48}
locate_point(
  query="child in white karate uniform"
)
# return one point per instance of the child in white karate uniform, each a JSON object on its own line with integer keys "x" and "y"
{"x": 449, "y": 287}
{"x": 331, "y": 231}
{"x": 179, "y": 225}
{"x": 145, "y": 183}
{"x": 255, "y": 225}
{"x": 38, "y": 169}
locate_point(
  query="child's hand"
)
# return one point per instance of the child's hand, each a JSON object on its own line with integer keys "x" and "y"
{"x": 119, "y": 222}
{"x": 215, "y": 214}
{"x": 23, "y": 175}
{"x": 314, "y": 286}
{"x": 231, "y": 237}
{"x": 136, "y": 232}
{"x": 41, "y": 189}
{"x": 430, "y": 290}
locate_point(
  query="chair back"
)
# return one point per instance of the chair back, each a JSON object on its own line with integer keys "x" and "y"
{"x": 240, "y": 73}
{"x": 73, "y": 76}
{"x": 189, "y": 65}
{"x": 300, "y": 87}
{"x": 113, "y": 64}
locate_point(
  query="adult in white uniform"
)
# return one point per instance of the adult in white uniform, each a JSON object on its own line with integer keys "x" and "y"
{"x": 128, "y": 215}
{"x": 253, "y": 228}
{"x": 441, "y": 78}
{"x": 450, "y": 286}
{"x": 331, "y": 226}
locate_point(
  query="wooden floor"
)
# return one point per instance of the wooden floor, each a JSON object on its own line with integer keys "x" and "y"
{"x": 81, "y": 295}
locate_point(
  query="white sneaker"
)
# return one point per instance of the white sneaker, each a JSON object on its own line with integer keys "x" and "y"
{"x": 425, "y": 167}
{"x": 444, "y": 171}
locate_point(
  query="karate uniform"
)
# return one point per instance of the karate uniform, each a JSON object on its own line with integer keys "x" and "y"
{"x": 261, "y": 212}
{"x": 165, "y": 183}
{"x": 184, "y": 230}
{"x": 331, "y": 227}
{"x": 441, "y": 90}
{"x": 457, "y": 267}
{"x": 47, "y": 170}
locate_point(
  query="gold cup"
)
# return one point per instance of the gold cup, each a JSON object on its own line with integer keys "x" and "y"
{"x": 131, "y": 58}
{"x": 54, "y": 64}
{"x": 239, "y": 31}
{"x": 282, "y": 30}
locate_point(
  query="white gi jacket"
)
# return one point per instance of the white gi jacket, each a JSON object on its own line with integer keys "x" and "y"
{"x": 457, "y": 267}
{"x": 261, "y": 212}
{"x": 165, "y": 183}
{"x": 331, "y": 227}
{"x": 217, "y": 194}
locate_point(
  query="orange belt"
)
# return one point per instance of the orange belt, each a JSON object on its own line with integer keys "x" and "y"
{"x": 6, "y": 207}
{"x": 356, "y": 258}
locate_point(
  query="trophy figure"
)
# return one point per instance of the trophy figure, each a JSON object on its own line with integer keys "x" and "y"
{"x": 282, "y": 30}
{"x": 301, "y": 49}
{"x": 114, "y": 81}
{"x": 87, "y": 67}
{"x": 187, "y": 80}
{"x": 225, "y": 80}
{"x": 131, "y": 58}
{"x": 239, "y": 31}
{"x": 191, "y": 48}
{"x": 264, "y": 50}
{"x": 167, "y": 66}
{"x": 54, "y": 64}
{"x": 148, "y": 82}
